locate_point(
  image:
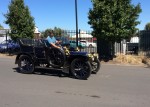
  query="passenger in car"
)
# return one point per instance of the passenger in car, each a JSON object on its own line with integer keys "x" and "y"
{"x": 52, "y": 40}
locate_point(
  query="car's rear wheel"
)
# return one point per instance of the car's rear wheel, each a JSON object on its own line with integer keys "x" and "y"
{"x": 80, "y": 69}
{"x": 25, "y": 64}
{"x": 95, "y": 66}
{"x": 56, "y": 57}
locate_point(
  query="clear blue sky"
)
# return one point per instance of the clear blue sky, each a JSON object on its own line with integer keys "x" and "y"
{"x": 61, "y": 13}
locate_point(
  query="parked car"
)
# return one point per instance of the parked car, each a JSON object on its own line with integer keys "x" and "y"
{"x": 88, "y": 44}
{"x": 37, "y": 53}
{"x": 9, "y": 45}
{"x": 132, "y": 48}
{"x": 73, "y": 44}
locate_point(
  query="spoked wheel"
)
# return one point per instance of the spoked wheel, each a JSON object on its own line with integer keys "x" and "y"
{"x": 80, "y": 69}
{"x": 56, "y": 57}
{"x": 95, "y": 66}
{"x": 25, "y": 64}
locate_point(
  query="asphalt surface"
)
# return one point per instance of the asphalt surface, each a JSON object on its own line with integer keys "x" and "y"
{"x": 113, "y": 86}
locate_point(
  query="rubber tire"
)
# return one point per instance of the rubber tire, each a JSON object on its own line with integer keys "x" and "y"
{"x": 24, "y": 69}
{"x": 97, "y": 68}
{"x": 81, "y": 62}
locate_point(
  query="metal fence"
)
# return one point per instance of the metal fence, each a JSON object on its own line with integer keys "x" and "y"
{"x": 136, "y": 45}
{"x": 144, "y": 44}
{"x": 83, "y": 36}
{"x": 139, "y": 45}
{"x": 127, "y": 47}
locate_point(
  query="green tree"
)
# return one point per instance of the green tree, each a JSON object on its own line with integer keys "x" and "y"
{"x": 113, "y": 20}
{"x": 57, "y": 32}
{"x": 147, "y": 26}
{"x": 20, "y": 21}
{"x": 46, "y": 32}
{"x": 1, "y": 27}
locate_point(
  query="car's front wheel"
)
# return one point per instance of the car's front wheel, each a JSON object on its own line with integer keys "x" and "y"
{"x": 80, "y": 69}
{"x": 95, "y": 66}
{"x": 25, "y": 64}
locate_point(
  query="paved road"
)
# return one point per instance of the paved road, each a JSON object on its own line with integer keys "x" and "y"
{"x": 113, "y": 86}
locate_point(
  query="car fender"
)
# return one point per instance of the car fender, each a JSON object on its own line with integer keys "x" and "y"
{"x": 18, "y": 56}
{"x": 76, "y": 54}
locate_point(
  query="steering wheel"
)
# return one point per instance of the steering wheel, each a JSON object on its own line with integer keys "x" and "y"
{"x": 56, "y": 57}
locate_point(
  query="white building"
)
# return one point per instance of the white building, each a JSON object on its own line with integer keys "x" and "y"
{"x": 4, "y": 35}
{"x": 37, "y": 34}
{"x": 83, "y": 35}
{"x": 134, "y": 39}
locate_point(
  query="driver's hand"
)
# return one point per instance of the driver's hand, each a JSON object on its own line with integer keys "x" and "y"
{"x": 57, "y": 42}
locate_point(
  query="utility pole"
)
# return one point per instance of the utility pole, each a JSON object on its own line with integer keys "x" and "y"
{"x": 76, "y": 14}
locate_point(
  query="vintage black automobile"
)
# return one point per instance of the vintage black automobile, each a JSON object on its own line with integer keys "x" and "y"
{"x": 36, "y": 53}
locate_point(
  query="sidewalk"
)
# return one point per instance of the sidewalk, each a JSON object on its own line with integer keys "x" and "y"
{"x": 7, "y": 56}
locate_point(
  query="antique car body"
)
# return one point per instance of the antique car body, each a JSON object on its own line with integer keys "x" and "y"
{"x": 38, "y": 53}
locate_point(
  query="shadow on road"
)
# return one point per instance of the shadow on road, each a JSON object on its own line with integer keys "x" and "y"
{"x": 47, "y": 72}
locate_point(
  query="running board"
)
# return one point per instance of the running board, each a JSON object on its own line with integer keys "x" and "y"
{"x": 63, "y": 69}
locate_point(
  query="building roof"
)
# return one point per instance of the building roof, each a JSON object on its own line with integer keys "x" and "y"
{"x": 83, "y": 35}
{"x": 3, "y": 31}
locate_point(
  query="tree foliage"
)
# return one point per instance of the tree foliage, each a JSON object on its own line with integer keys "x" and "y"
{"x": 57, "y": 32}
{"x": 19, "y": 19}
{"x": 147, "y": 26}
{"x": 113, "y": 20}
{"x": 1, "y": 27}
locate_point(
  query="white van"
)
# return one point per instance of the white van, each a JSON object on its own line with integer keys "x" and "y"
{"x": 88, "y": 44}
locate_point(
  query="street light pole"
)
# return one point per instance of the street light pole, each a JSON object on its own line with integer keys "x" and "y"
{"x": 76, "y": 14}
